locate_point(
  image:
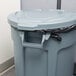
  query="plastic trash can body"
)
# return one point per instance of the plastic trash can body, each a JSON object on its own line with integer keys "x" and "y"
{"x": 54, "y": 58}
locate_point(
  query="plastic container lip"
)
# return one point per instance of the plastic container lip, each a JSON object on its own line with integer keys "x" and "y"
{"x": 33, "y": 19}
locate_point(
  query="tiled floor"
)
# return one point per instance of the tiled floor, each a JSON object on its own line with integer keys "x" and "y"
{"x": 10, "y": 73}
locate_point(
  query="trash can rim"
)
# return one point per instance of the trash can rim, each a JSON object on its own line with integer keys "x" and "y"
{"x": 45, "y": 23}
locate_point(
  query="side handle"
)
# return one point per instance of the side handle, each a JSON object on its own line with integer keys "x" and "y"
{"x": 34, "y": 45}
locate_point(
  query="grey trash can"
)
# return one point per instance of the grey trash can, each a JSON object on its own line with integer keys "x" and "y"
{"x": 43, "y": 42}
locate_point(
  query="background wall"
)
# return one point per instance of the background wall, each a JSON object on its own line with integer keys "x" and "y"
{"x": 6, "y": 47}
{"x": 69, "y": 5}
{"x": 36, "y": 4}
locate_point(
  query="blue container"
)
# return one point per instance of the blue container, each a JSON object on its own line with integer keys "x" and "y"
{"x": 43, "y": 42}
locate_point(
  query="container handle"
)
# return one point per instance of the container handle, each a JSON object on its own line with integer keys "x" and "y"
{"x": 34, "y": 45}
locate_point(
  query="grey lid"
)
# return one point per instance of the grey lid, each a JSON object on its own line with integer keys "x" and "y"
{"x": 41, "y": 19}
